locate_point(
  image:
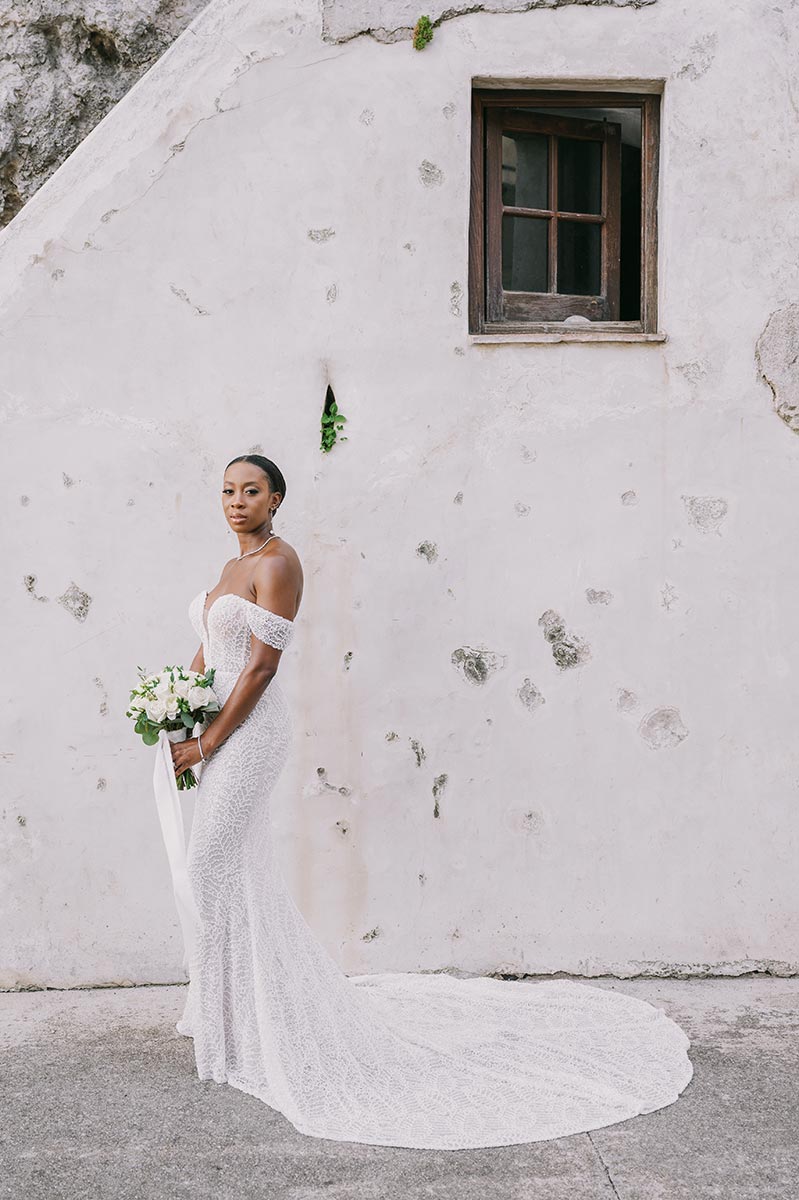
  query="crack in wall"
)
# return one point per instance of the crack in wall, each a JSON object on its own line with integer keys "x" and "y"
{"x": 341, "y": 25}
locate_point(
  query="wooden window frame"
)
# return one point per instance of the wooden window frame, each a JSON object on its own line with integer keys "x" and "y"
{"x": 535, "y": 312}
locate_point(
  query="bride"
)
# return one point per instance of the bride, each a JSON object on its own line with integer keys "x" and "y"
{"x": 417, "y": 1060}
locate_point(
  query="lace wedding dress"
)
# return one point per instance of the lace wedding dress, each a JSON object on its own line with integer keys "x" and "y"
{"x": 426, "y": 1061}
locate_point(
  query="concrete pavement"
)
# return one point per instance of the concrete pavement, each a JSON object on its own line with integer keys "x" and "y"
{"x": 100, "y": 1100}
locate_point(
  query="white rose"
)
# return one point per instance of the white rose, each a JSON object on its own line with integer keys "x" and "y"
{"x": 156, "y": 710}
{"x": 172, "y": 707}
{"x": 163, "y": 689}
{"x": 198, "y": 697}
{"x": 182, "y": 688}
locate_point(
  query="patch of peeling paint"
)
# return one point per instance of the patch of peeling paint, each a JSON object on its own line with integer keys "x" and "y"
{"x": 430, "y": 175}
{"x": 428, "y": 551}
{"x": 321, "y": 235}
{"x": 629, "y": 498}
{"x": 529, "y": 821}
{"x": 418, "y": 750}
{"x": 372, "y": 934}
{"x": 777, "y": 357}
{"x": 706, "y": 512}
{"x": 342, "y": 789}
{"x": 663, "y": 728}
{"x": 702, "y": 54}
{"x": 530, "y": 696}
{"x": 76, "y": 601}
{"x": 693, "y": 372}
{"x": 455, "y": 298}
{"x": 593, "y": 596}
{"x": 626, "y": 701}
{"x": 30, "y": 586}
{"x": 439, "y": 783}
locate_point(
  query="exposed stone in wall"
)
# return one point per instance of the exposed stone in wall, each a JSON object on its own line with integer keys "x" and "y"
{"x": 64, "y": 65}
{"x": 568, "y": 649}
{"x": 777, "y": 354}
{"x": 393, "y": 20}
{"x": 477, "y": 663}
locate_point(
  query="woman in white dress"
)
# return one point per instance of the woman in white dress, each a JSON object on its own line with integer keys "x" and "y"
{"x": 418, "y": 1060}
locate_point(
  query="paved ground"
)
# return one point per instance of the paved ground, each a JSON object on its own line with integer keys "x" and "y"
{"x": 100, "y": 1099}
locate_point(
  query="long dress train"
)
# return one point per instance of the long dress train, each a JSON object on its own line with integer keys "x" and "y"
{"x": 426, "y": 1061}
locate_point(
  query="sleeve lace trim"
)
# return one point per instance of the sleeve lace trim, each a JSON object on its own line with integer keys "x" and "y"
{"x": 270, "y": 628}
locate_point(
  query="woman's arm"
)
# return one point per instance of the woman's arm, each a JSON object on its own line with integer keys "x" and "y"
{"x": 275, "y": 588}
{"x": 198, "y": 662}
{"x": 276, "y": 583}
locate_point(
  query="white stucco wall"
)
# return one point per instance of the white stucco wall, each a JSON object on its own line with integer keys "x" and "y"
{"x": 163, "y": 308}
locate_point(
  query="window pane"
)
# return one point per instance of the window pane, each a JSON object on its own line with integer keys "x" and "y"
{"x": 525, "y": 170}
{"x": 579, "y": 246}
{"x": 525, "y": 243}
{"x": 579, "y": 175}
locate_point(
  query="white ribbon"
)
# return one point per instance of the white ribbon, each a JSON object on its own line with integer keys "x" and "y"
{"x": 167, "y": 801}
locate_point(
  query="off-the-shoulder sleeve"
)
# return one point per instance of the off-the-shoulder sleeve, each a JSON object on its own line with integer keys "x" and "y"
{"x": 269, "y": 627}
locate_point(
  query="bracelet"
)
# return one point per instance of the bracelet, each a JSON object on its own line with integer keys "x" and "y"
{"x": 200, "y": 746}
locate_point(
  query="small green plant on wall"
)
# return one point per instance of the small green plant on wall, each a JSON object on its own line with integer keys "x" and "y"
{"x": 422, "y": 33}
{"x": 332, "y": 421}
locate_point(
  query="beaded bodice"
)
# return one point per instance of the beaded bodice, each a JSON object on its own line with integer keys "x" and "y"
{"x": 226, "y": 631}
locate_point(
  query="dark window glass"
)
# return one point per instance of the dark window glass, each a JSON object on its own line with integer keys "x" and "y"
{"x": 525, "y": 242}
{"x": 525, "y": 170}
{"x": 579, "y": 246}
{"x": 579, "y": 175}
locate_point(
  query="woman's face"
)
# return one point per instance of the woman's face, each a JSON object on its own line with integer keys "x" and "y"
{"x": 246, "y": 498}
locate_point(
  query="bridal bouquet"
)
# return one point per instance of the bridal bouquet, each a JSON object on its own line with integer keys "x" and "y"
{"x": 174, "y": 700}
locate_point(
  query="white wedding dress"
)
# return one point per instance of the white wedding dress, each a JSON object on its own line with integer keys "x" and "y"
{"x": 418, "y": 1060}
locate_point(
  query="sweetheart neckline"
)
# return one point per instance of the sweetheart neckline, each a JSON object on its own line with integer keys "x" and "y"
{"x": 204, "y": 616}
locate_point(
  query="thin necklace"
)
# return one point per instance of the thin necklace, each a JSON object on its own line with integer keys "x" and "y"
{"x": 257, "y": 548}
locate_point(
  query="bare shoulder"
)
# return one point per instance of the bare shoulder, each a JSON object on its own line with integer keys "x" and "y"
{"x": 278, "y": 578}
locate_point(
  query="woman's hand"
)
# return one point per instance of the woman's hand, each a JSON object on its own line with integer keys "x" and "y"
{"x": 185, "y": 754}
